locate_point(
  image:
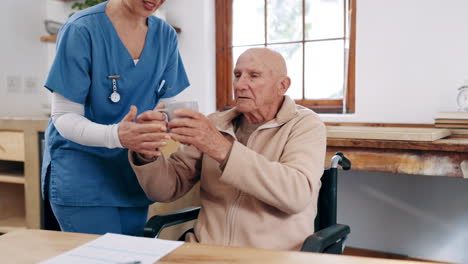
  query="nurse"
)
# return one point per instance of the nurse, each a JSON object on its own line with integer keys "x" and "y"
{"x": 113, "y": 61}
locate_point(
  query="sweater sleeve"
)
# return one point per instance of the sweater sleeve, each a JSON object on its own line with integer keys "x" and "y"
{"x": 168, "y": 179}
{"x": 290, "y": 183}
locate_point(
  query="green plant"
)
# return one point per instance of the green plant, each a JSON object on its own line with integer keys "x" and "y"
{"x": 85, "y": 4}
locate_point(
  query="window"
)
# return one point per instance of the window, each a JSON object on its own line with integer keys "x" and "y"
{"x": 316, "y": 37}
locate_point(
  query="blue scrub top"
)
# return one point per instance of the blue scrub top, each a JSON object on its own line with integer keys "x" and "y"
{"x": 88, "y": 51}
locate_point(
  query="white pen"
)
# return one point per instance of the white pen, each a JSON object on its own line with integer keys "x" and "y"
{"x": 161, "y": 85}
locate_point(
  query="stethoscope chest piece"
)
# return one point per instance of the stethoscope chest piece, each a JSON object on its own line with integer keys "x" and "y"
{"x": 114, "y": 96}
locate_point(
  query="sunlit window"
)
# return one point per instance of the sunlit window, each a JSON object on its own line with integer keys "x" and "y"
{"x": 314, "y": 36}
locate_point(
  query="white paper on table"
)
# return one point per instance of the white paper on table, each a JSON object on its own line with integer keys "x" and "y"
{"x": 117, "y": 249}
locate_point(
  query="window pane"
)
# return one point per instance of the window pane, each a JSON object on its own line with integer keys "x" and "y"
{"x": 324, "y": 69}
{"x": 292, "y": 53}
{"x": 248, "y": 26}
{"x": 324, "y": 19}
{"x": 284, "y": 20}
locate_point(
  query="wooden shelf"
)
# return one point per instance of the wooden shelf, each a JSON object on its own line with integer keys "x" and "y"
{"x": 443, "y": 157}
{"x": 387, "y": 133}
{"x": 12, "y": 204}
{"x": 12, "y": 178}
{"x": 53, "y": 38}
{"x": 12, "y": 172}
{"x": 12, "y": 224}
{"x": 177, "y": 29}
{"x": 49, "y": 38}
{"x": 12, "y": 145}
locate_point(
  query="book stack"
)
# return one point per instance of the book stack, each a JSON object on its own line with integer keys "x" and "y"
{"x": 456, "y": 121}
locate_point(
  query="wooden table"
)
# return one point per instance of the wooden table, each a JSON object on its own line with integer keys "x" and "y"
{"x": 32, "y": 246}
{"x": 443, "y": 157}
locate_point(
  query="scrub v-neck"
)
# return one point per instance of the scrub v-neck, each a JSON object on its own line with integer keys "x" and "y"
{"x": 116, "y": 35}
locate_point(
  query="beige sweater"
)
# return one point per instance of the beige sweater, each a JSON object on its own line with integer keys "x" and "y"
{"x": 266, "y": 196}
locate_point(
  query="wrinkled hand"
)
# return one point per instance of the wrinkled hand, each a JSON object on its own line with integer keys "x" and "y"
{"x": 193, "y": 128}
{"x": 145, "y": 138}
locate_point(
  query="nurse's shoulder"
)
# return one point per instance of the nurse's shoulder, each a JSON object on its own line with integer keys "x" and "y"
{"x": 85, "y": 14}
{"x": 158, "y": 24}
{"x": 87, "y": 18}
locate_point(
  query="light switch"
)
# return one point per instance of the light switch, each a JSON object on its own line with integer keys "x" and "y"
{"x": 13, "y": 83}
{"x": 30, "y": 84}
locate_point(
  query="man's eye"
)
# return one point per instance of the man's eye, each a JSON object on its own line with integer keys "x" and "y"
{"x": 237, "y": 75}
{"x": 254, "y": 75}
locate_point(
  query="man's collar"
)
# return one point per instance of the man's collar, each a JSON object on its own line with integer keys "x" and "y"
{"x": 286, "y": 112}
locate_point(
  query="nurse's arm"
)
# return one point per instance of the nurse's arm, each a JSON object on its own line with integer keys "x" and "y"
{"x": 68, "y": 118}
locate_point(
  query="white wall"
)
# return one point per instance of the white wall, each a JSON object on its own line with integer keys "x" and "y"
{"x": 411, "y": 57}
{"x": 23, "y": 58}
{"x": 419, "y": 216}
{"x": 197, "y": 47}
{"x": 56, "y": 11}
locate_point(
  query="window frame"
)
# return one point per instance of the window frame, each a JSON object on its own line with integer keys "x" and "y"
{"x": 223, "y": 14}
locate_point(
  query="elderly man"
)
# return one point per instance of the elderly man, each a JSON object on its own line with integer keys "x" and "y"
{"x": 259, "y": 164}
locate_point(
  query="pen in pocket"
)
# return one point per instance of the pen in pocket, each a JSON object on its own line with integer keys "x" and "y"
{"x": 161, "y": 86}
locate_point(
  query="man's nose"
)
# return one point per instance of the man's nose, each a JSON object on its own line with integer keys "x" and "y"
{"x": 240, "y": 83}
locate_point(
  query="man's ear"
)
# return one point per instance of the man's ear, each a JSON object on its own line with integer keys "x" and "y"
{"x": 284, "y": 85}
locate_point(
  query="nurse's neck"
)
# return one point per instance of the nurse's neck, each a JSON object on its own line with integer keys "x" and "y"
{"x": 121, "y": 13}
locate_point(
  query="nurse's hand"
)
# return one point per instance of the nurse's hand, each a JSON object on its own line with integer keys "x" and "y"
{"x": 145, "y": 138}
{"x": 153, "y": 116}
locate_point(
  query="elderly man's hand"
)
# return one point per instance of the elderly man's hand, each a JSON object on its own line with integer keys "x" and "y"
{"x": 145, "y": 137}
{"x": 193, "y": 128}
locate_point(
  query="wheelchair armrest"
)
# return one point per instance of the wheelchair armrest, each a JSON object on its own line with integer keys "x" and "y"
{"x": 326, "y": 238}
{"x": 158, "y": 222}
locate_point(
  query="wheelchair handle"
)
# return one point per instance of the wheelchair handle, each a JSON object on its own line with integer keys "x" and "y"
{"x": 340, "y": 159}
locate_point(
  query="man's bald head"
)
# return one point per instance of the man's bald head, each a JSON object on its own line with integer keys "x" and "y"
{"x": 272, "y": 60}
{"x": 260, "y": 82}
